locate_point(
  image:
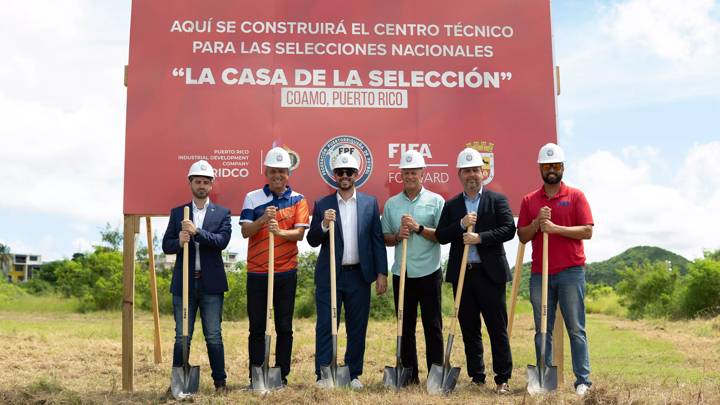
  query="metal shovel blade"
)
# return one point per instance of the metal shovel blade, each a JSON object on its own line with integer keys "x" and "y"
{"x": 334, "y": 376}
{"x": 542, "y": 379}
{"x": 443, "y": 378}
{"x": 397, "y": 377}
{"x": 264, "y": 377}
{"x": 184, "y": 381}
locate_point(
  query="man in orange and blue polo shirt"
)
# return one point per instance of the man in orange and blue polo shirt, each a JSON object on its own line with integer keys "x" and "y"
{"x": 564, "y": 213}
{"x": 278, "y": 209}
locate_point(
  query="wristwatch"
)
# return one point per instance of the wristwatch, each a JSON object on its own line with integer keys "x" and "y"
{"x": 420, "y": 229}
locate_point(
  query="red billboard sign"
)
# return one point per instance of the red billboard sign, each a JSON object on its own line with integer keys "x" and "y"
{"x": 227, "y": 81}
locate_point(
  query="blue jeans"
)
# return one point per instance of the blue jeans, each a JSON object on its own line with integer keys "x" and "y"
{"x": 211, "y": 307}
{"x": 568, "y": 289}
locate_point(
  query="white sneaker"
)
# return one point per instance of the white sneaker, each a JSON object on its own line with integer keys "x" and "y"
{"x": 355, "y": 384}
{"x": 581, "y": 390}
{"x": 321, "y": 384}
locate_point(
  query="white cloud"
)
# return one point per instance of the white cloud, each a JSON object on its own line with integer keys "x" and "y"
{"x": 638, "y": 52}
{"x": 63, "y": 101}
{"x": 630, "y": 208}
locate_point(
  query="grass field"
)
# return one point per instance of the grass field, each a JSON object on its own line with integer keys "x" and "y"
{"x": 53, "y": 355}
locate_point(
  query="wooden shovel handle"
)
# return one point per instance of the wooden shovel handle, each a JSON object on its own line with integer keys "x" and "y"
{"x": 515, "y": 287}
{"x": 333, "y": 281}
{"x": 461, "y": 283}
{"x": 153, "y": 292}
{"x": 270, "y": 283}
{"x": 543, "y": 297}
{"x": 186, "y": 279}
{"x": 401, "y": 294}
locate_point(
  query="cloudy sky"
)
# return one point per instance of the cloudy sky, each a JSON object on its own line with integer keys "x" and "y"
{"x": 638, "y": 118}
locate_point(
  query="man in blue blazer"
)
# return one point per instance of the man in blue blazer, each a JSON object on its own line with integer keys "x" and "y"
{"x": 360, "y": 259}
{"x": 207, "y": 233}
{"x": 487, "y": 267}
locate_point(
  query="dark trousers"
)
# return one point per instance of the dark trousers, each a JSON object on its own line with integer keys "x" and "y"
{"x": 354, "y": 293}
{"x": 284, "y": 305}
{"x": 211, "y": 308}
{"x": 483, "y": 296}
{"x": 426, "y": 292}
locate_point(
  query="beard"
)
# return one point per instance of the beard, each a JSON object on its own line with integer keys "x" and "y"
{"x": 345, "y": 185}
{"x": 200, "y": 193}
{"x": 555, "y": 179}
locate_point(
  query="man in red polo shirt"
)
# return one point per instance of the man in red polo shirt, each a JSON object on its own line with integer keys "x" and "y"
{"x": 564, "y": 213}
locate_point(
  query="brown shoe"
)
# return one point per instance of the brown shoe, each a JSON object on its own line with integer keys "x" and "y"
{"x": 503, "y": 389}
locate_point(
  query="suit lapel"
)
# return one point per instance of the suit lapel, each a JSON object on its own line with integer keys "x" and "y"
{"x": 360, "y": 210}
{"x": 209, "y": 213}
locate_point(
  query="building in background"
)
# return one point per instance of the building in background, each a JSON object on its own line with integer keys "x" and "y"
{"x": 21, "y": 267}
{"x": 165, "y": 262}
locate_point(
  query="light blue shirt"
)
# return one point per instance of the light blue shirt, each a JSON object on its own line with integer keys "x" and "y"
{"x": 423, "y": 255}
{"x": 472, "y": 205}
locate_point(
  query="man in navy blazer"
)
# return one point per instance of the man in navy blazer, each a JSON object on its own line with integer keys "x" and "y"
{"x": 487, "y": 268}
{"x": 208, "y": 234}
{"x": 360, "y": 259}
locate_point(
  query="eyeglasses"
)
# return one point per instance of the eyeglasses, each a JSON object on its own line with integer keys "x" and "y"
{"x": 555, "y": 166}
{"x": 344, "y": 172}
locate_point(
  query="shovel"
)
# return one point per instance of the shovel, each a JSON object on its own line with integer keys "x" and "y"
{"x": 185, "y": 380}
{"x": 398, "y": 376}
{"x": 442, "y": 378}
{"x": 543, "y": 378}
{"x": 264, "y": 377}
{"x": 333, "y": 375}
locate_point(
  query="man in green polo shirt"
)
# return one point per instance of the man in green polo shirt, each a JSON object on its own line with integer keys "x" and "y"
{"x": 413, "y": 215}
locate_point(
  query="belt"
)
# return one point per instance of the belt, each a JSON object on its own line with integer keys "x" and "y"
{"x": 474, "y": 266}
{"x": 350, "y": 267}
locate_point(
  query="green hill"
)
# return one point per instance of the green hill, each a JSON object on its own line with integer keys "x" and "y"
{"x": 605, "y": 272}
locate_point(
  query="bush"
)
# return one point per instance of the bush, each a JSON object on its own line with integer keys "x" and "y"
{"x": 701, "y": 289}
{"x": 648, "y": 290}
{"x": 602, "y": 299}
{"x": 235, "y": 304}
{"x": 9, "y": 291}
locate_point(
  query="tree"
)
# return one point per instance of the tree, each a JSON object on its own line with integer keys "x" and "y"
{"x": 113, "y": 237}
{"x": 6, "y": 259}
{"x": 701, "y": 292}
{"x": 648, "y": 289}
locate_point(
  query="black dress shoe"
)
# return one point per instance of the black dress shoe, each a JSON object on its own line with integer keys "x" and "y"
{"x": 479, "y": 381}
{"x": 221, "y": 387}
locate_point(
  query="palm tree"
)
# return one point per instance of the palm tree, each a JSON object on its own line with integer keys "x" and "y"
{"x": 6, "y": 259}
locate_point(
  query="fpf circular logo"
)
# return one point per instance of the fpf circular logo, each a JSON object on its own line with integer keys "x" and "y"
{"x": 345, "y": 144}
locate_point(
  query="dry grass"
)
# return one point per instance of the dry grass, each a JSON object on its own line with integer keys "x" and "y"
{"x": 74, "y": 358}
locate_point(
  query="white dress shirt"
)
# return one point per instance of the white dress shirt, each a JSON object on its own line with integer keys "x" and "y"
{"x": 348, "y": 217}
{"x": 198, "y": 219}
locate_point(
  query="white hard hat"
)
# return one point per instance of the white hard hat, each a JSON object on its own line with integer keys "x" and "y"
{"x": 278, "y": 157}
{"x": 469, "y": 157}
{"x": 201, "y": 168}
{"x": 551, "y": 153}
{"x": 345, "y": 161}
{"x": 412, "y": 159}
